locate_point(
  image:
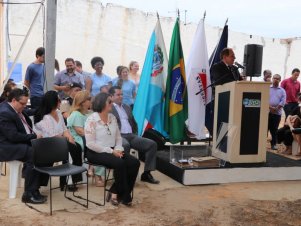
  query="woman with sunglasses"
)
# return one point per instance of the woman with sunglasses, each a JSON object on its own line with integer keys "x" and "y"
{"x": 104, "y": 142}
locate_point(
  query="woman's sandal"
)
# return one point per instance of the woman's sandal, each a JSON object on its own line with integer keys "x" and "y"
{"x": 90, "y": 172}
{"x": 98, "y": 181}
{"x": 113, "y": 201}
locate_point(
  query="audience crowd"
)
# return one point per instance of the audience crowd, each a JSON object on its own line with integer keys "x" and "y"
{"x": 86, "y": 109}
{"x": 93, "y": 111}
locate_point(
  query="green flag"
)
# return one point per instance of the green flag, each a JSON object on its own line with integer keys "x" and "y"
{"x": 176, "y": 93}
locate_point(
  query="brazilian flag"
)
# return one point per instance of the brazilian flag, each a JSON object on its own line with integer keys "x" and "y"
{"x": 176, "y": 112}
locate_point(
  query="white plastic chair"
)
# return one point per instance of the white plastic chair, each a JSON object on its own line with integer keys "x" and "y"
{"x": 14, "y": 177}
{"x": 1, "y": 165}
{"x": 295, "y": 148}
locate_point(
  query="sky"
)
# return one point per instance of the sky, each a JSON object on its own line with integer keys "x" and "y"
{"x": 267, "y": 18}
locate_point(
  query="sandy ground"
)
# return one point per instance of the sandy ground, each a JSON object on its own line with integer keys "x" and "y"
{"x": 170, "y": 203}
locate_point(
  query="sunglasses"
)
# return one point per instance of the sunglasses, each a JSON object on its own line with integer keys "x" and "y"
{"x": 108, "y": 129}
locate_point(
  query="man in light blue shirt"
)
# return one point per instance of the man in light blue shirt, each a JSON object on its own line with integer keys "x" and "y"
{"x": 277, "y": 101}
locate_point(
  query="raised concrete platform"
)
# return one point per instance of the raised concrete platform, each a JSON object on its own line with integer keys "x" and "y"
{"x": 276, "y": 168}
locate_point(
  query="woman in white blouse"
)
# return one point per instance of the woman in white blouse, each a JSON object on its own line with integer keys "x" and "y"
{"x": 104, "y": 142}
{"x": 49, "y": 122}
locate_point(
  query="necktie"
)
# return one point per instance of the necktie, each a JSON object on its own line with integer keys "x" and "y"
{"x": 232, "y": 72}
{"x": 25, "y": 123}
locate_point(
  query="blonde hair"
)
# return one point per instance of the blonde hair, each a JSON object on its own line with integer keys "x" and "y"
{"x": 79, "y": 98}
{"x": 131, "y": 64}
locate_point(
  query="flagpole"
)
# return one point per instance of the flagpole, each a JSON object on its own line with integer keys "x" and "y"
{"x": 226, "y": 22}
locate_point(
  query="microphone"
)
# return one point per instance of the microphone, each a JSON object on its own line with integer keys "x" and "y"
{"x": 239, "y": 65}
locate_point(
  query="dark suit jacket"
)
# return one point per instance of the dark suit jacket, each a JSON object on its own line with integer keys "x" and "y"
{"x": 131, "y": 118}
{"x": 14, "y": 141}
{"x": 221, "y": 74}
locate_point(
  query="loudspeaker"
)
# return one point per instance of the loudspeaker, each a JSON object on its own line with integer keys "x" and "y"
{"x": 253, "y": 60}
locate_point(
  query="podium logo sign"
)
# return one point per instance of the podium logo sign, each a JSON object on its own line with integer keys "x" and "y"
{"x": 251, "y": 103}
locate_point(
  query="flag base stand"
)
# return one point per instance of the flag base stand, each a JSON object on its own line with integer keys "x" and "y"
{"x": 276, "y": 168}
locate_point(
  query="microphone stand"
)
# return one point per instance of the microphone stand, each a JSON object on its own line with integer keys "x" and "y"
{"x": 213, "y": 83}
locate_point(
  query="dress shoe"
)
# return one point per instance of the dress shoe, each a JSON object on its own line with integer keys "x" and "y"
{"x": 28, "y": 197}
{"x": 71, "y": 188}
{"x": 128, "y": 204}
{"x": 38, "y": 195}
{"x": 147, "y": 177}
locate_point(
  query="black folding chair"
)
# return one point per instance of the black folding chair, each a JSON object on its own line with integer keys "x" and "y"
{"x": 3, "y": 174}
{"x": 106, "y": 177}
{"x": 47, "y": 151}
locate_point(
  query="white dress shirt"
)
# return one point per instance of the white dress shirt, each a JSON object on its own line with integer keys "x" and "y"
{"x": 49, "y": 127}
{"x": 124, "y": 120}
{"x": 27, "y": 128}
{"x": 102, "y": 137}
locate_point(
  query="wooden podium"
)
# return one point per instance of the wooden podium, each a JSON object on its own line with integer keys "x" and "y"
{"x": 241, "y": 121}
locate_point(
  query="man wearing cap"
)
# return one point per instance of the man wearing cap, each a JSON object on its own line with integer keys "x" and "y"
{"x": 104, "y": 88}
{"x": 68, "y": 100}
{"x": 65, "y": 78}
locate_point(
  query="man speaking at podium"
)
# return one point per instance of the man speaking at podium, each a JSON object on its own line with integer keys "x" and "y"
{"x": 224, "y": 71}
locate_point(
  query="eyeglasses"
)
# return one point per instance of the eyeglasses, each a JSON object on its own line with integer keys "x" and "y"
{"x": 108, "y": 129}
{"x": 23, "y": 104}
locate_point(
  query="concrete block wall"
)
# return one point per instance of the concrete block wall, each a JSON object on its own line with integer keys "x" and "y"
{"x": 86, "y": 28}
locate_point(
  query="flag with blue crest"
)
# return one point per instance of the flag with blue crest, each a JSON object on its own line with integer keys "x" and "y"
{"x": 149, "y": 104}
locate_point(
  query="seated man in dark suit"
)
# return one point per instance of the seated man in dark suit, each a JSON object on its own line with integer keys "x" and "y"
{"x": 128, "y": 130}
{"x": 15, "y": 136}
{"x": 224, "y": 71}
